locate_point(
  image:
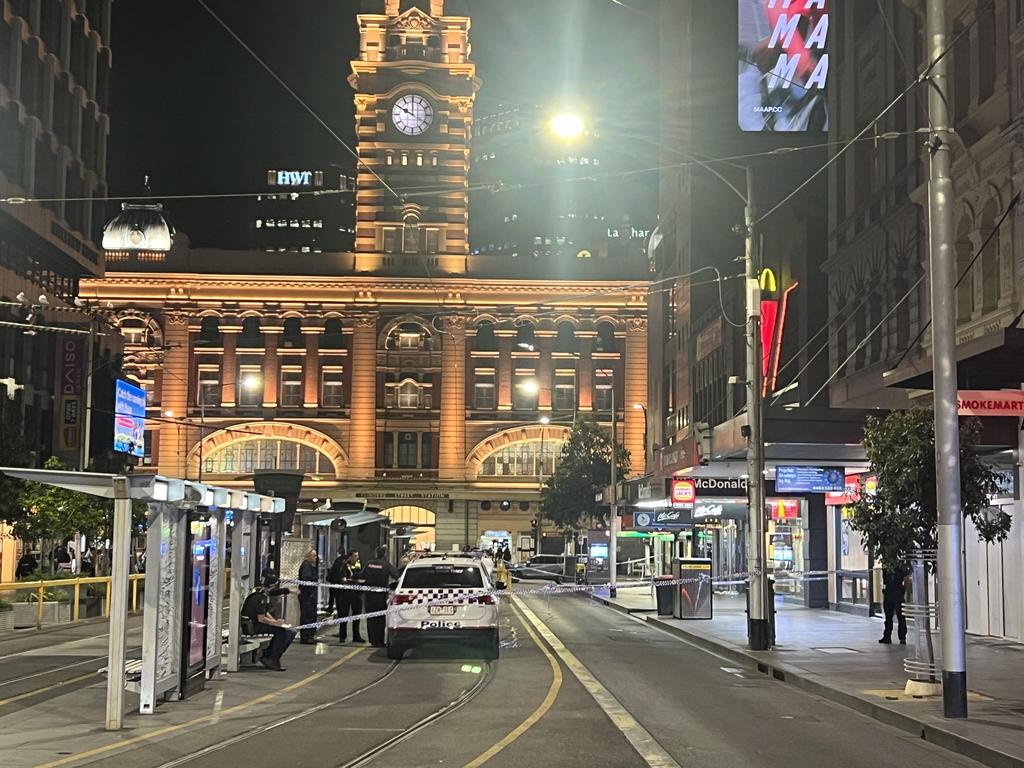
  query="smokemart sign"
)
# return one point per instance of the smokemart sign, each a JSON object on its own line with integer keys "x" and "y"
{"x": 977, "y": 402}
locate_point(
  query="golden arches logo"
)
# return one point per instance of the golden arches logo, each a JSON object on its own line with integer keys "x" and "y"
{"x": 768, "y": 282}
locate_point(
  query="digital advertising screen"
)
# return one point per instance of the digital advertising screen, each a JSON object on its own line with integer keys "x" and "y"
{"x": 804, "y": 479}
{"x": 783, "y": 66}
{"x": 599, "y": 551}
{"x": 129, "y": 419}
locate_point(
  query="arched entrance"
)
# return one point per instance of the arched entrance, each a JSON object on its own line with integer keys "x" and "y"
{"x": 422, "y": 520}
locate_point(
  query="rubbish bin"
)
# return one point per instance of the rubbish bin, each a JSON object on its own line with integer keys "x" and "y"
{"x": 663, "y": 594}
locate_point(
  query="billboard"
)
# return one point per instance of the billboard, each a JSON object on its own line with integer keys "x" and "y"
{"x": 129, "y": 419}
{"x": 801, "y": 479}
{"x": 783, "y": 66}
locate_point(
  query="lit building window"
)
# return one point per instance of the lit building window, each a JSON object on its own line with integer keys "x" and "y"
{"x": 291, "y": 388}
{"x": 405, "y": 158}
{"x": 249, "y": 387}
{"x": 407, "y": 394}
{"x": 208, "y": 392}
{"x": 524, "y": 459}
{"x": 267, "y": 453}
{"x": 483, "y": 393}
{"x": 419, "y": 159}
{"x": 332, "y": 389}
{"x": 391, "y": 239}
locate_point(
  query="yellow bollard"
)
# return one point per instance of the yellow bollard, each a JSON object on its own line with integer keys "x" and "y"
{"x": 39, "y": 606}
{"x": 106, "y": 600}
{"x": 74, "y": 607}
{"x": 135, "y": 594}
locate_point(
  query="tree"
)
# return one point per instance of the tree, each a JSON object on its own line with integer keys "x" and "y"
{"x": 48, "y": 512}
{"x": 583, "y": 468}
{"x": 902, "y": 515}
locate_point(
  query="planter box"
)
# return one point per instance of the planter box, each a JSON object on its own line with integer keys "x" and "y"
{"x": 53, "y": 613}
{"x": 6, "y": 621}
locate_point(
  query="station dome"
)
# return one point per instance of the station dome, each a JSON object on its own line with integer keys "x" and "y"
{"x": 138, "y": 227}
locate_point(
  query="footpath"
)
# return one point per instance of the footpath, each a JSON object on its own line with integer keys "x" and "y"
{"x": 837, "y": 656}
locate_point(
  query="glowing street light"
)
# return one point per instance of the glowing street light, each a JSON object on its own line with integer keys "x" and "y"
{"x": 529, "y": 386}
{"x": 545, "y": 420}
{"x": 567, "y": 125}
{"x": 250, "y": 382}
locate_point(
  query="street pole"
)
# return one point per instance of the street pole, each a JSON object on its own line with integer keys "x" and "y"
{"x": 613, "y": 516}
{"x": 540, "y": 492}
{"x": 758, "y": 633}
{"x": 118, "y": 618}
{"x": 202, "y": 428}
{"x": 947, "y": 428}
{"x": 87, "y": 416}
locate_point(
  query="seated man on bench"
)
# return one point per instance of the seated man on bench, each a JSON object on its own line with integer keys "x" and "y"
{"x": 257, "y": 619}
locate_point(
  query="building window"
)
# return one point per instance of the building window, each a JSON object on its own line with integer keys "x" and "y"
{"x": 419, "y": 159}
{"x": 291, "y": 388}
{"x": 267, "y": 453}
{"x": 208, "y": 392}
{"x": 407, "y": 395}
{"x": 332, "y": 389}
{"x": 411, "y": 236}
{"x": 391, "y": 239}
{"x": 433, "y": 241}
{"x": 565, "y": 394}
{"x": 533, "y": 458}
{"x": 483, "y": 394}
{"x": 405, "y": 158}
{"x": 390, "y": 159}
{"x": 408, "y": 448}
{"x": 524, "y": 390}
{"x": 249, "y": 387}
{"x": 408, "y": 340}
{"x": 603, "y": 390}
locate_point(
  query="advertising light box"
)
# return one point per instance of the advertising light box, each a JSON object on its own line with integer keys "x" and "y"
{"x": 801, "y": 479}
{"x": 129, "y": 419}
{"x": 783, "y": 65}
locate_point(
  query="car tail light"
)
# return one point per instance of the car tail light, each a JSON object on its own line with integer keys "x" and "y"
{"x": 401, "y": 599}
{"x": 483, "y": 599}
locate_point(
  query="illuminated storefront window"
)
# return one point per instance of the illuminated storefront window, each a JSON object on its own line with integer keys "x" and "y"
{"x": 523, "y": 459}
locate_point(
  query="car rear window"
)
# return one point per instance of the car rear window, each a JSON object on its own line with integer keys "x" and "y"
{"x": 441, "y": 576}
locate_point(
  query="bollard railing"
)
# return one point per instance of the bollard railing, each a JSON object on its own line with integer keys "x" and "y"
{"x": 38, "y": 589}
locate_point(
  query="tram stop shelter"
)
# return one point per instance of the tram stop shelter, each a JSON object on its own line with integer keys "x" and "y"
{"x": 186, "y": 546}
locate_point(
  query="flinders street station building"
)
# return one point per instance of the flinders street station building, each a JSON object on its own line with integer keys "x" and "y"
{"x": 434, "y": 379}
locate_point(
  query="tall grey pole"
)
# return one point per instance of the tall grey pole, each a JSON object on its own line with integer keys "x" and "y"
{"x": 758, "y": 633}
{"x": 202, "y": 428}
{"x": 613, "y": 511}
{"x": 118, "y": 618}
{"x": 87, "y": 417}
{"x": 947, "y": 430}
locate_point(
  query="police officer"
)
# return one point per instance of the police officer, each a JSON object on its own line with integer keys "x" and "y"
{"x": 256, "y": 610}
{"x": 894, "y": 589}
{"x": 307, "y": 598}
{"x": 350, "y": 601}
{"x": 379, "y": 572}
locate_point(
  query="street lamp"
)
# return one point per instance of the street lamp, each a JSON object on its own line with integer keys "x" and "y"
{"x": 567, "y": 125}
{"x": 249, "y": 382}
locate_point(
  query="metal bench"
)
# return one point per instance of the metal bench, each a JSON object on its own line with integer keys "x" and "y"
{"x": 248, "y": 645}
{"x": 132, "y": 674}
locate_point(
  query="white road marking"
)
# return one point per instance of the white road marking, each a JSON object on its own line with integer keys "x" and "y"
{"x": 638, "y": 736}
{"x": 218, "y": 705}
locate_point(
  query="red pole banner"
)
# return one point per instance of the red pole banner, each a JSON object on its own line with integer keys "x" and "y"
{"x": 72, "y": 375}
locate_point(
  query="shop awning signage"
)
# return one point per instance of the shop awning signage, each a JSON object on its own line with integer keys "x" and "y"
{"x": 1000, "y": 402}
{"x": 672, "y": 517}
{"x": 720, "y": 486}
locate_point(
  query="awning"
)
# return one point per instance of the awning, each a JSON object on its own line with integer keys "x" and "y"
{"x": 326, "y": 517}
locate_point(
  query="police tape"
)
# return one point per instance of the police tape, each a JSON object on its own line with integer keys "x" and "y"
{"x": 548, "y": 590}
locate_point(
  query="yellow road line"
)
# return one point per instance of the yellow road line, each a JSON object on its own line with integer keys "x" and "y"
{"x": 37, "y": 691}
{"x": 117, "y": 745}
{"x": 638, "y": 736}
{"x": 538, "y": 713}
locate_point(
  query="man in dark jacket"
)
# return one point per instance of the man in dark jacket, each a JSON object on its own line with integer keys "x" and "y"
{"x": 307, "y": 598}
{"x": 256, "y": 612}
{"x": 893, "y": 593}
{"x": 350, "y": 601}
{"x": 379, "y": 572}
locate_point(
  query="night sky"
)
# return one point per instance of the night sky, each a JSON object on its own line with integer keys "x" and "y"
{"x": 198, "y": 114}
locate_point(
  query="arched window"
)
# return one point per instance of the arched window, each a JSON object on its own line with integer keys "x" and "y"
{"x": 411, "y": 231}
{"x": 243, "y": 456}
{"x": 409, "y": 336}
{"x": 485, "y": 339}
{"x": 209, "y": 332}
{"x": 989, "y": 258}
{"x": 566, "y": 339}
{"x": 526, "y": 337}
{"x": 606, "y": 337}
{"x": 252, "y": 334}
{"x": 407, "y": 393}
{"x": 292, "y": 335}
{"x": 964, "y": 254}
{"x": 332, "y": 338}
{"x": 524, "y": 459}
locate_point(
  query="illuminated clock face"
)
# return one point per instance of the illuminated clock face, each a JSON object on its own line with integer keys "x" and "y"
{"x": 412, "y": 114}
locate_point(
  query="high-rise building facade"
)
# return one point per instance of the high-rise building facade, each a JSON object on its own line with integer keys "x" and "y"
{"x": 437, "y": 387}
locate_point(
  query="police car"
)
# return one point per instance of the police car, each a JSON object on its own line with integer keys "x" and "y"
{"x": 446, "y": 600}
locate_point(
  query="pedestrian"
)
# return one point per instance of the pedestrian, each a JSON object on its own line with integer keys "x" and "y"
{"x": 379, "y": 572}
{"x": 27, "y": 565}
{"x": 894, "y": 590}
{"x": 256, "y": 611}
{"x": 350, "y": 601}
{"x": 506, "y": 553}
{"x": 334, "y": 578}
{"x": 307, "y": 598}
{"x": 62, "y": 558}
{"x": 408, "y": 555}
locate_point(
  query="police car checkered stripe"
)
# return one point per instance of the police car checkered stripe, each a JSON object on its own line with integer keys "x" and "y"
{"x": 431, "y": 595}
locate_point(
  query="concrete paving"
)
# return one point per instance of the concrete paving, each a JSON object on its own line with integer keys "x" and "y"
{"x": 338, "y": 702}
{"x": 838, "y": 655}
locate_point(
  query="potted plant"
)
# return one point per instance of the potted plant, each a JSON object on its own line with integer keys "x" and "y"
{"x": 6, "y": 616}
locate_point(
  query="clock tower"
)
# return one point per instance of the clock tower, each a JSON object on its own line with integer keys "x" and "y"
{"x": 414, "y": 88}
